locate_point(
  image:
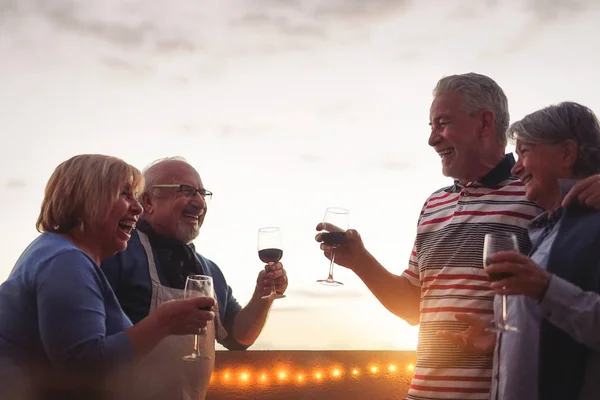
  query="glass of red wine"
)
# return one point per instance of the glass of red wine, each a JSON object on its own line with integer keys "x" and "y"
{"x": 270, "y": 251}
{"x": 198, "y": 286}
{"x": 335, "y": 224}
{"x": 495, "y": 243}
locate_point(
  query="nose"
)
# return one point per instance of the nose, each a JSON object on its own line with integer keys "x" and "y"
{"x": 198, "y": 198}
{"x": 517, "y": 169}
{"x": 434, "y": 138}
{"x": 136, "y": 207}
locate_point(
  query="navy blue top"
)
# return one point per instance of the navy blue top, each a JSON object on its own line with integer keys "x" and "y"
{"x": 128, "y": 274}
{"x": 57, "y": 310}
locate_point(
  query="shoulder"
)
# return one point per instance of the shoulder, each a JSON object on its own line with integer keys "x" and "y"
{"x": 51, "y": 248}
{"x": 577, "y": 216}
{"x": 210, "y": 267}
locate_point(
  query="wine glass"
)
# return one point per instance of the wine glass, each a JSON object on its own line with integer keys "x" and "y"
{"x": 270, "y": 251}
{"x": 335, "y": 217}
{"x": 495, "y": 243}
{"x": 198, "y": 286}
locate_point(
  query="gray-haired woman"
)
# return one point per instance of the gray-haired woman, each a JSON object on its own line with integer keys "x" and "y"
{"x": 555, "y": 299}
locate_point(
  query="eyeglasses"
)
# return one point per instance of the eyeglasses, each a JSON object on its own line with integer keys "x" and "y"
{"x": 187, "y": 190}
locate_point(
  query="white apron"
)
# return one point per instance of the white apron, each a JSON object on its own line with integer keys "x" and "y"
{"x": 163, "y": 374}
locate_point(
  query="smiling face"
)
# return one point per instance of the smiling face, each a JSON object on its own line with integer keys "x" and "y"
{"x": 457, "y": 137}
{"x": 540, "y": 166}
{"x": 115, "y": 230}
{"x": 170, "y": 211}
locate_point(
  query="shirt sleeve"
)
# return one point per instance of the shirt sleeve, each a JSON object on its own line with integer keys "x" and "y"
{"x": 412, "y": 272}
{"x": 72, "y": 316}
{"x": 228, "y": 315}
{"x": 574, "y": 311}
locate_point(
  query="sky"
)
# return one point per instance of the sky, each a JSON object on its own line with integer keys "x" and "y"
{"x": 284, "y": 108}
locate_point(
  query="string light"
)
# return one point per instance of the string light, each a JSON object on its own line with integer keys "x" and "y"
{"x": 335, "y": 372}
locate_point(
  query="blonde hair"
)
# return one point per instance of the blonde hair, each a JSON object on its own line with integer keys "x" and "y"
{"x": 83, "y": 190}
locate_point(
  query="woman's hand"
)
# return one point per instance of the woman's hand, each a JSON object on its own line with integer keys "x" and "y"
{"x": 184, "y": 317}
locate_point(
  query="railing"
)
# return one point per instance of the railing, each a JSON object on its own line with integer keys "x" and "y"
{"x": 330, "y": 375}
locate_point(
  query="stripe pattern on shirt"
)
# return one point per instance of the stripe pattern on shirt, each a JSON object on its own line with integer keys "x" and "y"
{"x": 447, "y": 264}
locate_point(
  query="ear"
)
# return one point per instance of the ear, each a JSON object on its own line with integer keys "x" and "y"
{"x": 488, "y": 123}
{"x": 147, "y": 203}
{"x": 570, "y": 152}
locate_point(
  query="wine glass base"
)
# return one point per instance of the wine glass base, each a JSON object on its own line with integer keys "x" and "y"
{"x": 273, "y": 296}
{"x": 195, "y": 357}
{"x": 330, "y": 282}
{"x": 502, "y": 328}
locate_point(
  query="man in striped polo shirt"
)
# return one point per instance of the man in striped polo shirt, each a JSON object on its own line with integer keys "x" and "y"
{"x": 468, "y": 117}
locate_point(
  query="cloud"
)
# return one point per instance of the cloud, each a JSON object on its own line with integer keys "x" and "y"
{"x": 550, "y": 10}
{"x": 67, "y": 15}
{"x": 15, "y": 184}
{"x": 310, "y": 159}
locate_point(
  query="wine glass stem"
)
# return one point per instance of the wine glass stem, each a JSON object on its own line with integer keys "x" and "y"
{"x": 331, "y": 265}
{"x": 273, "y": 291}
{"x": 504, "y": 310}
{"x": 196, "y": 346}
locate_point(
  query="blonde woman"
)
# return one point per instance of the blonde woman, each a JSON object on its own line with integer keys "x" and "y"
{"x": 62, "y": 331}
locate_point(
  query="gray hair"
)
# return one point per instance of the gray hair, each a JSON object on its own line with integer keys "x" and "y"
{"x": 148, "y": 174}
{"x": 479, "y": 92}
{"x": 566, "y": 121}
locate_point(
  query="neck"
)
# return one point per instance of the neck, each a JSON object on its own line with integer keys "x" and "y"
{"x": 156, "y": 231}
{"x": 552, "y": 201}
{"x": 480, "y": 170}
{"x": 85, "y": 244}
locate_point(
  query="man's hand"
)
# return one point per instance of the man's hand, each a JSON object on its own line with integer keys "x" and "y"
{"x": 351, "y": 255}
{"x": 526, "y": 278}
{"x": 476, "y": 338}
{"x": 586, "y": 191}
{"x": 272, "y": 275}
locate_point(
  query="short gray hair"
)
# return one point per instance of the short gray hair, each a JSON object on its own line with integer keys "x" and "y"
{"x": 148, "y": 174}
{"x": 479, "y": 92}
{"x": 566, "y": 121}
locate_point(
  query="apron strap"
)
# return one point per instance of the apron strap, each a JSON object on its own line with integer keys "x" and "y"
{"x": 220, "y": 331}
{"x": 151, "y": 264}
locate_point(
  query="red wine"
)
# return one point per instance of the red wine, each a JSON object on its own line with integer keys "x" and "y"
{"x": 499, "y": 275}
{"x": 270, "y": 255}
{"x": 334, "y": 238}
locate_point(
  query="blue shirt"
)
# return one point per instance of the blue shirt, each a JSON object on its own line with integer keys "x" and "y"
{"x": 128, "y": 274}
{"x": 58, "y": 311}
{"x": 516, "y": 358}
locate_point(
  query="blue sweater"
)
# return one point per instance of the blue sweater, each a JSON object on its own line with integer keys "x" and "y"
{"x": 59, "y": 314}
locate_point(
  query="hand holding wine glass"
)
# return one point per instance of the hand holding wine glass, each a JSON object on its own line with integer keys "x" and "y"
{"x": 495, "y": 243}
{"x": 338, "y": 218}
{"x": 270, "y": 251}
{"x": 198, "y": 286}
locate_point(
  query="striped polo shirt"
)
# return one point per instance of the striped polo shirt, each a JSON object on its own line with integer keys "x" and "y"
{"x": 447, "y": 264}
